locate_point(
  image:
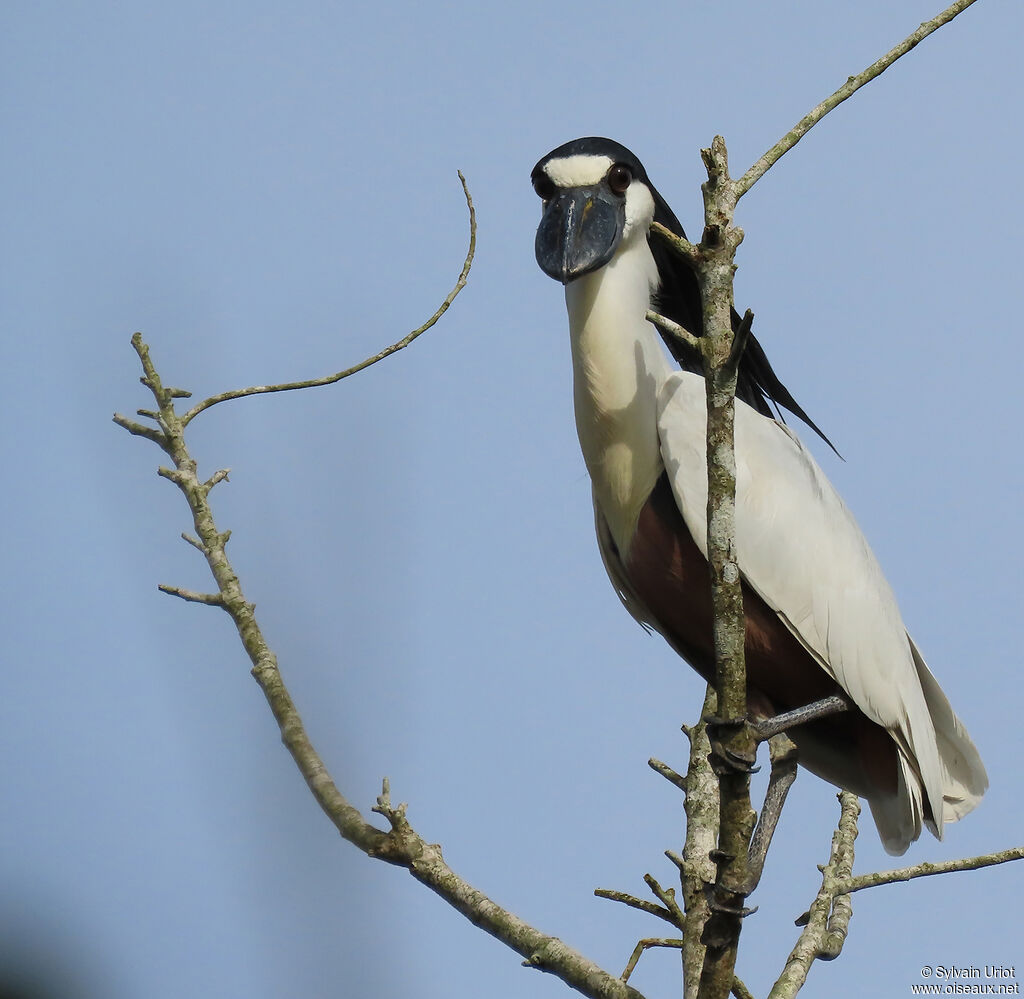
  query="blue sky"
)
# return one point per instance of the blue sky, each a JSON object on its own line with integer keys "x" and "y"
{"x": 268, "y": 192}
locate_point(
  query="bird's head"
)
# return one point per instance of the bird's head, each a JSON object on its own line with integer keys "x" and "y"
{"x": 596, "y": 197}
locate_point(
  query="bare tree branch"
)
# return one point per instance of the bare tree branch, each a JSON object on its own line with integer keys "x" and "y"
{"x": 733, "y": 746}
{"x": 673, "y": 328}
{"x": 827, "y": 921}
{"x": 667, "y": 896}
{"x": 194, "y": 542}
{"x": 139, "y": 430}
{"x": 740, "y": 991}
{"x": 211, "y": 599}
{"x": 695, "y": 867}
{"x": 635, "y": 903}
{"x": 697, "y": 870}
{"x": 926, "y": 870}
{"x": 402, "y": 845}
{"x": 379, "y": 356}
{"x": 668, "y": 773}
{"x": 642, "y": 946}
{"x": 852, "y": 85}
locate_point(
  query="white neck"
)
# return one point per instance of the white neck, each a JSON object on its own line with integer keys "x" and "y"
{"x": 619, "y": 365}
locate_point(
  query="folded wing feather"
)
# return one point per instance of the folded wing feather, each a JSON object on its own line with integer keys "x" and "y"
{"x": 802, "y": 552}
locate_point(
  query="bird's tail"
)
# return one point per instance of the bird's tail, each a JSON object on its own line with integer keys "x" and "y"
{"x": 964, "y": 779}
{"x": 899, "y": 817}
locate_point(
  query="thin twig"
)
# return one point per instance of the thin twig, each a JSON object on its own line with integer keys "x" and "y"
{"x": 139, "y": 430}
{"x": 926, "y": 870}
{"x": 379, "y": 356}
{"x": 635, "y": 903}
{"x": 644, "y": 945}
{"x": 667, "y": 897}
{"x": 668, "y": 773}
{"x": 673, "y": 328}
{"x": 682, "y": 246}
{"x": 739, "y": 990}
{"x": 210, "y": 599}
{"x": 218, "y": 476}
{"x": 852, "y": 85}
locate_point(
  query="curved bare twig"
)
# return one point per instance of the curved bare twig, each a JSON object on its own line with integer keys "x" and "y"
{"x": 187, "y": 418}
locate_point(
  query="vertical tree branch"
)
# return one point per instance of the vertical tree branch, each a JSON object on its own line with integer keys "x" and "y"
{"x": 697, "y": 871}
{"x": 734, "y": 748}
{"x": 828, "y": 919}
{"x": 735, "y": 743}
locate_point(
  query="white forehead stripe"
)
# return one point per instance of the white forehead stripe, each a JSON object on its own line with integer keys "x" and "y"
{"x": 578, "y": 171}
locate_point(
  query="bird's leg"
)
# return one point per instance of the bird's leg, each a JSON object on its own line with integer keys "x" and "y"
{"x": 783, "y": 753}
{"x": 764, "y": 730}
{"x": 725, "y": 761}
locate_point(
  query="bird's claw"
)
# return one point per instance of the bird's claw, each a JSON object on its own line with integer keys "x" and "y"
{"x": 725, "y": 914}
{"x": 723, "y": 759}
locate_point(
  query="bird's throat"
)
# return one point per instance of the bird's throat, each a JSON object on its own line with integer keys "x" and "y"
{"x": 618, "y": 368}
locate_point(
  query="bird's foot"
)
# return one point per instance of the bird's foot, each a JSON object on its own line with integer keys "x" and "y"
{"x": 727, "y": 759}
{"x": 726, "y": 910}
{"x": 727, "y": 903}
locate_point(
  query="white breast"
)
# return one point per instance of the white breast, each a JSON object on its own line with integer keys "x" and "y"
{"x": 619, "y": 365}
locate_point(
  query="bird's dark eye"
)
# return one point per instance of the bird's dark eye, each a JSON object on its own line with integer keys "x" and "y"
{"x": 544, "y": 186}
{"x": 619, "y": 178}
